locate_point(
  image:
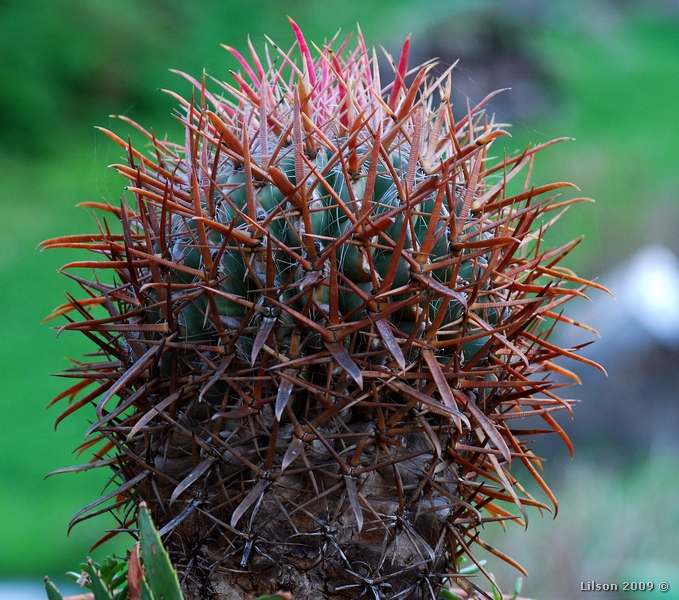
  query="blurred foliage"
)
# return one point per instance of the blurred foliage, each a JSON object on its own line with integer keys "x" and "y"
{"x": 65, "y": 65}
{"x": 611, "y": 527}
{"x": 60, "y": 60}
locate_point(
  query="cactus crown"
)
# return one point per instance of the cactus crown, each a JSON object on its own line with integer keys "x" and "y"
{"x": 327, "y": 310}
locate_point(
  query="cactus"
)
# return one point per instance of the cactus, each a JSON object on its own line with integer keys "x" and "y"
{"x": 317, "y": 319}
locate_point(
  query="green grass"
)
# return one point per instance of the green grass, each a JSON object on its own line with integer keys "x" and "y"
{"x": 610, "y": 528}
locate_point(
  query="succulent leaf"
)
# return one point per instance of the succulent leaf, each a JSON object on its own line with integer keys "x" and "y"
{"x": 52, "y": 591}
{"x": 160, "y": 575}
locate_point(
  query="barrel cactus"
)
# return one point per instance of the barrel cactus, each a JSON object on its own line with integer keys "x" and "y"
{"x": 317, "y": 319}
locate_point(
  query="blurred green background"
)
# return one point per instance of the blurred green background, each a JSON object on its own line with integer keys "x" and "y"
{"x": 603, "y": 72}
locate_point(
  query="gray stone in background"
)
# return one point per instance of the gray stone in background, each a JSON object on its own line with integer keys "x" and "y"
{"x": 494, "y": 53}
{"x": 634, "y": 412}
